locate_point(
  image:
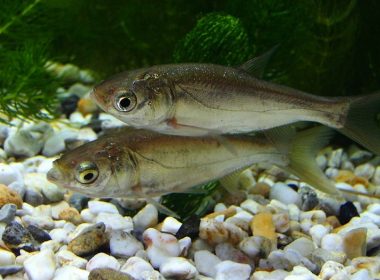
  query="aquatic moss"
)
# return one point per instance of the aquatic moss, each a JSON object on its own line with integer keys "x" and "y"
{"x": 216, "y": 38}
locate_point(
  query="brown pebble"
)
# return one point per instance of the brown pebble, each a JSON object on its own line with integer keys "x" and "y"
{"x": 350, "y": 178}
{"x": 261, "y": 188}
{"x": 89, "y": 241}
{"x": 262, "y": 225}
{"x": 107, "y": 274}
{"x": 230, "y": 211}
{"x": 354, "y": 243}
{"x": 333, "y": 221}
{"x": 71, "y": 215}
{"x": 86, "y": 106}
{"x": 9, "y": 196}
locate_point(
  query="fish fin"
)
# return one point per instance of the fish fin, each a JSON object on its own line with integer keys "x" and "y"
{"x": 230, "y": 182}
{"x": 302, "y": 151}
{"x": 162, "y": 209}
{"x": 362, "y": 124}
{"x": 257, "y": 65}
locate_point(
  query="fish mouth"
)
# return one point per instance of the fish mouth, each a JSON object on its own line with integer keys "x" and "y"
{"x": 54, "y": 175}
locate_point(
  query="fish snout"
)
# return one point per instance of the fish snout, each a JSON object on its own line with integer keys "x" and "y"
{"x": 54, "y": 175}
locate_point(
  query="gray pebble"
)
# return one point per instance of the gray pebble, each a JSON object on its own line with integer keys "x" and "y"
{"x": 16, "y": 237}
{"x": 7, "y": 213}
{"x": 53, "y": 193}
{"x": 78, "y": 201}
{"x": 309, "y": 198}
{"x": 33, "y": 197}
{"x": 39, "y": 234}
{"x": 10, "y": 269}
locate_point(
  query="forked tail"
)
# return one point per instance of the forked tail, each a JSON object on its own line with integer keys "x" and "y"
{"x": 362, "y": 124}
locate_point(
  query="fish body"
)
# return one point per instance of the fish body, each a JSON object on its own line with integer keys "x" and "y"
{"x": 202, "y": 99}
{"x": 141, "y": 163}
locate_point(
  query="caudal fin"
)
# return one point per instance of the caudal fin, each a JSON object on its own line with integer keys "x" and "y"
{"x": 361, "y": 122}
{"x": 302, "y": 151}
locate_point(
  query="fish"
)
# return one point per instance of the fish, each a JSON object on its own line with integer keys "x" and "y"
{"x": 145, "y": 164}
{"x": 194, "y": 99}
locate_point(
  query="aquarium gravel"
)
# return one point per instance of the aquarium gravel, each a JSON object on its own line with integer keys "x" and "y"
{"x": 282, "y": 229}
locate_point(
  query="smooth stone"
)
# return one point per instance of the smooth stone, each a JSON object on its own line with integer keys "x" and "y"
{"x": 281, "y": 222}
{"x": 288, "y": 259}
{"x": 365, "y": 170}
{"x": 89, "y": 241}
{"x": 59, "y": 235}
{"x": 10, "y": 269}
{"x": 97, "y": 207}
{"x": 226, "y": 251}
{"x": 171, "y": 225}
{"x": 346, "y": 212}
{"x": 78, "y": 201}
{"x": 254, "y": 245}
{"x": 260, "y": 188}
{"x": 7, "y": 196}
{"x": 108, "y": 274}
{"x": 333, "y": 269}
{"x": 39, "y": 221}
{"x": 40, "y": 266}
{"x": 252, "y": 206}
{"x": 333, "y": 242}
{"x": 146, "y": 217}
{"x": 273, "y": 275}
{"x": 56, "y": 208}
{"x": 178, "y": 268}
{"x": 317, "y": 232}
{"x": 374, "y": 208}
{"x": 9, "y": 174}
{"x": 65, "y": 257}
{"x": 52, "y": 192}
{"x": 123, "y": 244}
{"x": 16, "y": 236}
{"x": 18, "y": 187}
{"x": 70, "y": 272}
{"x": 102, "y": 260}
{"x": 7, "y": 213}
{"x": 51, "y": 245}
{"x": 335, "y": 158}
{"x": 303, "y": 245}
{"x": 354, "y": 243}
{"x": 33, "y": 197}
{"x": 320, "y": 256}
{"x": 38, "y": 234}
{"x": 6, "y": 257}
{"x": 205, "y": 262}
{"x": 184, "y": 245}
{"x": 228, "y": 270}
{"x": 160, "y": 246}
{"x": 115, "y": 221}
{"x": 362, "y": 274}
{"x": 136, "y": 267}
{"x": 284, "y": 194}
{"x": 55, "y": 144}
{"x": 262, "y": 225}
{"x": 71, "y": 215}
{"x": 309, "y": 198}
{"x": 215, "y": 232}
{"x": 87, "y": 216}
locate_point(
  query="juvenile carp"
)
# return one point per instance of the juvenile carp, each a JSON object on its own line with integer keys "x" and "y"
{"x": 141, "y": 163}
{"x": 201, "y": 99}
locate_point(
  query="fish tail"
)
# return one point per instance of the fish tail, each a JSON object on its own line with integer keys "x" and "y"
{"x": 362, "y": 124}
{"x": 302, "y": 148}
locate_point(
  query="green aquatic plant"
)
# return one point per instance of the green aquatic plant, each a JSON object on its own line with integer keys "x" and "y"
{"x": 216, "y": 38}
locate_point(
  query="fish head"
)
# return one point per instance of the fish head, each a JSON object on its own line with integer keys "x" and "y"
{"x": 140, "y": 98}
{"x": 95, "y": 169}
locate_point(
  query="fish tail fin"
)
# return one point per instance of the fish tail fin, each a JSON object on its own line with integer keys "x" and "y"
{"x": 361, "y": 122}
{"x": 302, "y": 148}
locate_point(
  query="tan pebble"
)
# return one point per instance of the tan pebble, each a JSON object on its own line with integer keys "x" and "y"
{"x": 354, "y": 243}
{"x": 71, "y": 215}
{"x": 333, "y": 221}
{"x": 298, "y": 234}
{"x": 107, "y": 274}
{"x": 89, "y": 241}
{"x": 350, "y": 178}
{"x": 261, "y": 188}
{"x": 230, "y": 211}
{"x": 86, "y": 106}
{"x": 262, "y": 225}
{"x": 215, "y": 232}
{"x": 9, "y": 196}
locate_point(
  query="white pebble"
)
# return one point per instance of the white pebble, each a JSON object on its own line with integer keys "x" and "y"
{"x": 178, "y": 268}
{"x": 40, "y": 266}
{"x": 59, "y": 235}
{"x": 160, "y": 246}
{"x": 365, "y": 170}
{"x": 102, "y": 260}
{"x": 70, "y": 272}
{"x": 362, "y": 274}
{"x": 8, "y": 174}
{"x": 251, "y": 246}
{"x": 332, "y": 242}
{"x": 274, "y": 275}
{"x": 206, "y": 262}
{"x": 66, "y": 257}
{"x": 136, "y": 267}
{"x": 317, "y": 232}
{"x": 115, "y": 221}
{"x": 333, "y": 269}
{"x": 220, "y": 207}
{"x": 52, "y": 245}
{"x": 228, "y": 270}
{"x": 170, "y": 225}
{"x": 6, "y": 257}
{"x": 374, "y": 208}
{"x": 284, "y": 194}
{"x": 123, "y": 244}
{"x": 146, "y": 217}
{"x": 303, "y": 245}
{"x": 184, "y": 245}
{"x": 88, "y": 216}
{"x": 252, "y": 206}
{"x": 39, "y": 221}
{"x": 97, "y": 207}
{"x": 57, "y": 208}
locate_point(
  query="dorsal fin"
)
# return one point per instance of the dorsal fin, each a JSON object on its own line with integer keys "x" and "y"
{"x": 257, "y": 65}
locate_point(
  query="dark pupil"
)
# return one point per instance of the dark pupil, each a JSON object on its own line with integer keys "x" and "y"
{"x": 124, "y": 102}
{"x": 88, "y": 176}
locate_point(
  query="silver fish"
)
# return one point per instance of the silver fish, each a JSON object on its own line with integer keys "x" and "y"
{"x": 141, "y": 163}
{"x": 203, "y": 99}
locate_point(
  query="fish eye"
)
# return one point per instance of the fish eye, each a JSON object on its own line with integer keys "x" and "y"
{"x": 125, "y": 101}
{"x": 86, "y": 172}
